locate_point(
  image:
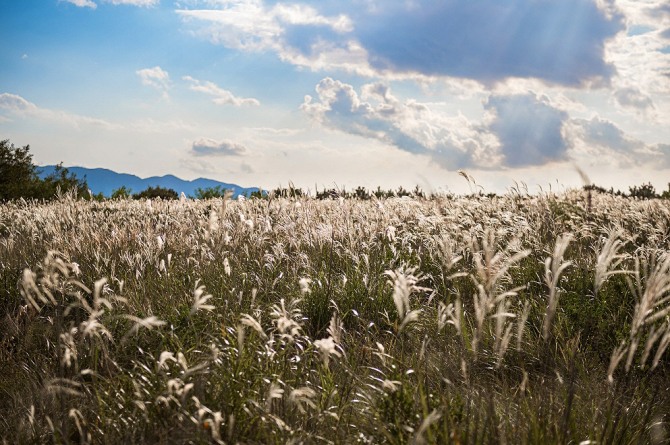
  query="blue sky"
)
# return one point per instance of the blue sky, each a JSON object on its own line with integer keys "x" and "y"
{"x": 344, "y": 93}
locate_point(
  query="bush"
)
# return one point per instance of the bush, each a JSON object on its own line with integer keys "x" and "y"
{"x": 156, "y": 192}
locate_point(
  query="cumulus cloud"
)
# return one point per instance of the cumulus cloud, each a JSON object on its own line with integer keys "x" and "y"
{"x": 83, "y": 3}
{"x": 155, "y": 77}
{"x": 606, "y": 135}
{"x": 220, "y": 96}
{"x": 487, "y": 40}
{"x": 518, "y": 130}
{"x": 640, "y": 54}
{"x": 603, "y": 141}
{"x": 210, "y": 147}
{"x": 529, "y": 129}
{"x": 606, "y": 141}
{"x": 451, "y": 141}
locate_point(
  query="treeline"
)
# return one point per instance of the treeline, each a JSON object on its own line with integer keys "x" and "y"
{"x": 280, "y": 192}
{"x": 19, "y": 179}
{"x": 644, "y": 191}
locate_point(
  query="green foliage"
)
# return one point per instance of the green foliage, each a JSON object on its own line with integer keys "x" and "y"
{"x": 17, "y": 172}
{"x": 287, "y": 192}
{"x": 18, "y": 177}
{"x": 645, "y": 191}
{"x": 122, "y": 192}
{"x": 258, "y": 194}
{"x": 62, "y": 181}
{"x": 157, "y": 192}
{"x": 666, "y": 193}
{"x": 212, "y": 192}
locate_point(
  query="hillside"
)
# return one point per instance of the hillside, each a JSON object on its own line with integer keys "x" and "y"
{"x": 106, "y": 181}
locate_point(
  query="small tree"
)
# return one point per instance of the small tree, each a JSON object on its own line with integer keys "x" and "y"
{"x": 156, "y": 192}
{"x": 17, "y": 172}
{"x": 213, "y": 192}
{"x": 61, "y": 180}
{"x": 18, "y": 176}
{"x": 666, "y": 194}
{"x": 645, "y": 191}
{"x": 258, "y": 194}
{"x": 361, "y": 193}
{"x": 122, "y": 192}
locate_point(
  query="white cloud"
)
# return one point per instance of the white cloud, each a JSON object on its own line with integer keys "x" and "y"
{"x": 632, "y": 97}
{"x": 299, "y": 14}
{"x": 155, "y": 77}
{"x": 210, "y": 147}
{"x": 517, "y": 130}
{"x": 640, "y": 55}
{"x": 82, "y": 3}
{"x": 251, "y": 25}
{"x": 220, "y": 96}
{"x": 16, "y": 104}
{"x": 145, "y": 3}
{"x": 450, "y": 141}
{"x": 296, "y": 32}
{"x": 93, "y": 5}
{"x": 604, "y": 140}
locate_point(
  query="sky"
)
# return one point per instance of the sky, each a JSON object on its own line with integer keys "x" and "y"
{"x": 341, "y": 93}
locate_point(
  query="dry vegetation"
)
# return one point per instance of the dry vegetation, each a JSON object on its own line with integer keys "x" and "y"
{"x": 511, "y": 319}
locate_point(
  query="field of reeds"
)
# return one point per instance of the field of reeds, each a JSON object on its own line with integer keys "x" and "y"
{"x": 504, "y": 319}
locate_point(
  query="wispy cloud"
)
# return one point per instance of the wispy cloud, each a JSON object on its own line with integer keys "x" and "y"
{"x": 251, "y": 25}
{"x": 82, "y": 3}
{"x": 93, "y": 5}
{"x": 155, "y": 77}
{"x": 220, "y": 96}
{"x": 18, "y": 106}
{"x": 210, "y": 147}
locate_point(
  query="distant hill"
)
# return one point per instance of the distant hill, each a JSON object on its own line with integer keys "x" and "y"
{"x": 106, "y": 181}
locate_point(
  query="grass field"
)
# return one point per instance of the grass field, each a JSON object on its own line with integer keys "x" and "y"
{"x": 509, "y": 319}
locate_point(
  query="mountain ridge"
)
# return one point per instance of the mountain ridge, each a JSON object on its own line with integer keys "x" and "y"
{"x": 105, "y": 181}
